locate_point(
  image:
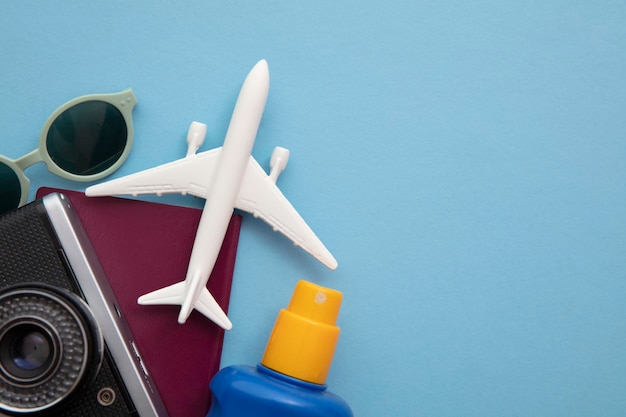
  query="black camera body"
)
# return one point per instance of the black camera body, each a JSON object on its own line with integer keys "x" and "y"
{"x": 65, "y": 347}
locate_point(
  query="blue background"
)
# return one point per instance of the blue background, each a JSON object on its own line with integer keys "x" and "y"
{"x": 464, "y": 161}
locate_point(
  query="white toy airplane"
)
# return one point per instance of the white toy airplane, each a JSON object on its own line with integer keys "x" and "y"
{"x": 227, "y": 177}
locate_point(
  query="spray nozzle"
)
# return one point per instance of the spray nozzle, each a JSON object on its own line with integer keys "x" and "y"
{"x": 303, "y": 341}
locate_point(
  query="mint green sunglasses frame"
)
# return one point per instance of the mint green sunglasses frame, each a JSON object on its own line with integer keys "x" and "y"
{"x": 124, "y": 102}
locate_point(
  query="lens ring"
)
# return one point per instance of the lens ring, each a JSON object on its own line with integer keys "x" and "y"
{"x": 30, "y": 351}
{"x": 87, "y": 138}
{"x": 60, "y": 318}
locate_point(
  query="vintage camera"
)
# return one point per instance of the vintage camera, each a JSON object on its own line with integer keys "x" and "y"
{"x": 65, "y": 348}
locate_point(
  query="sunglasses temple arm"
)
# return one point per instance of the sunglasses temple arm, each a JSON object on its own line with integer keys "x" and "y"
{"x": 29, "y": 159}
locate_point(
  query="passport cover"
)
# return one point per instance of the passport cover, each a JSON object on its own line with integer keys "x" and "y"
{"x": 144, "y": 246}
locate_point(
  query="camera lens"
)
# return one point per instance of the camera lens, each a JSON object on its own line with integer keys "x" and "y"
{"x": 50, "y": 347}
{"x": 28, "y": 351}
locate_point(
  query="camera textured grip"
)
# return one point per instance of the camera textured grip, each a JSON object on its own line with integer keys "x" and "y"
{"x": 27, "y": 250}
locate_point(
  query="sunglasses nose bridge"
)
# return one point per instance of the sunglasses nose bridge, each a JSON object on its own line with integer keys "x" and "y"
{"x": 29, "y": 159}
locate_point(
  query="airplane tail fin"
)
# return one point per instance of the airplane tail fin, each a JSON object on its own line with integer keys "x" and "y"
{"x": 176, "y": 295}
{"x": 207, "y": 305}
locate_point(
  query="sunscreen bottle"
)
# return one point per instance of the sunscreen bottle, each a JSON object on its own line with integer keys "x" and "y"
{"x": 290, "y": 381}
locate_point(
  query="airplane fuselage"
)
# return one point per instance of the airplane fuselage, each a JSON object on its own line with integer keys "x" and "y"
{"x": 227, "y": 177}
{"x": 226, "y": 184}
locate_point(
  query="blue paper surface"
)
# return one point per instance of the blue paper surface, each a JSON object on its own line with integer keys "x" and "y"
{"x": 465, "y": 162}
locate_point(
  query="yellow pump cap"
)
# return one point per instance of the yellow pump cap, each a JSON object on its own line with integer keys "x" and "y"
{"x": 304, "y": 338}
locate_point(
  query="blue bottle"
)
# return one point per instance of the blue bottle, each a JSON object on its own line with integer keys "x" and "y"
{"x": 290, "y": 380}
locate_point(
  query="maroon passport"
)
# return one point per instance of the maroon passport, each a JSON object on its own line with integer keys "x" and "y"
{"x": 144, "y": 246}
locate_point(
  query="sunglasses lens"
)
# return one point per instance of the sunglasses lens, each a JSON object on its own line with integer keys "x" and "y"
{"x": 10, "y": 189}
{"x": 87, "y": 138}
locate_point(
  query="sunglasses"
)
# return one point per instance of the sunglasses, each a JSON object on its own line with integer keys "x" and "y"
{"x": 85, "y": 139}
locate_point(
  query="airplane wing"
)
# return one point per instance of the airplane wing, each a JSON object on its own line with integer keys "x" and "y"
{"x": 181, "y": 176}
{"x": 260, "y": 196}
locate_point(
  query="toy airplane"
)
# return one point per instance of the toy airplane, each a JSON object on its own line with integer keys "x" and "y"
{"x": 228, "y": 177}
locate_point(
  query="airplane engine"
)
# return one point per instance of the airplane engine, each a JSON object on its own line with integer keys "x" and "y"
{"x": 278, "y": 162}
{"x": 195, "y": 137}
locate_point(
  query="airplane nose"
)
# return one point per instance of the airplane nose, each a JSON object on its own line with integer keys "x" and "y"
{"x": 262, "y": 65}
{"x": 260, "y": 73}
